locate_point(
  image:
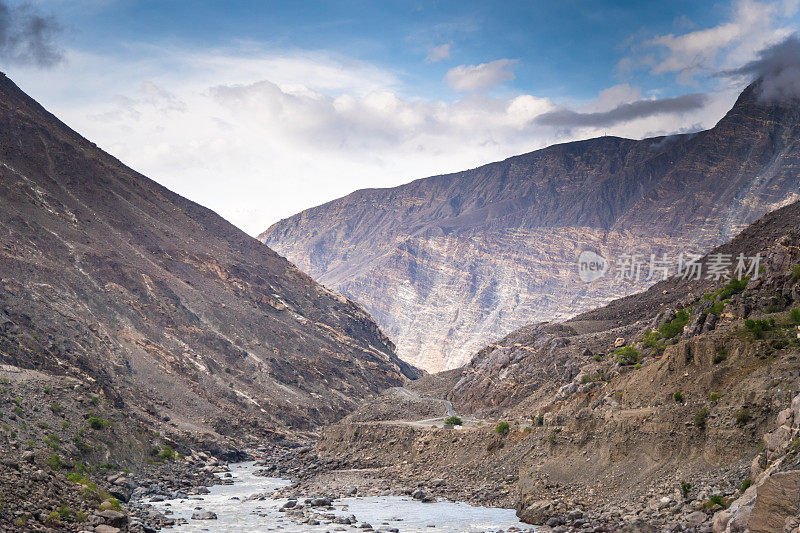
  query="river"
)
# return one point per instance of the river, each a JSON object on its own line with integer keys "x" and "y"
{"x": 388, "y": 513}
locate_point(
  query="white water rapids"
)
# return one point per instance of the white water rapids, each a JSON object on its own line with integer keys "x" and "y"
{"x": 385, "y": 513}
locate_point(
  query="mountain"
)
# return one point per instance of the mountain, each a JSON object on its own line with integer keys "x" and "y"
{"x": 674, "y": 409}
{"x": 170, "y": 310}
{"x": 447, "y": 262}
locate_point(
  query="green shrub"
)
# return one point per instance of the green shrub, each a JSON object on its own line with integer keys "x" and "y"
{"x": 502, "y": 428}
{"x": 796, "y": 315}
{"x": 454, "y": 420}
{"x": 746, "y": 484}
{"x": 627, "y": 355}
{"x": 55, "y": 408}
{"x": 98, "y": 423}
{"x": 758, "y": 327}
{"x": 540, "y": 420}
{"x": 716, "y": 309}
{"x": 714, "y": 396}
{"x": 678, "y": 397}
{"x": 743, "y": 416}
{"x": 652, "y": 339}
{"x": 686, "y": 488}
{"x": 65, "y": 512}
{"x": 796, "y": 273}
{"x": 716, "y": 500}
{"x": 700, "y": 418}
{"x": 675, "y": 326}
{"x": 95, "y": 400}
{"x": 598, "y": 357}
{"x": 47, "y": 389}
{"x": 53, "y": 441}
{"x": 54, "y": 462}
{"x": 168, "y": 453}
{"x": 80, "y": 516}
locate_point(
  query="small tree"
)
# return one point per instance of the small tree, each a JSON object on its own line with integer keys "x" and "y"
{"x": 454, "y": 421}
{"x": 502, "y": 428}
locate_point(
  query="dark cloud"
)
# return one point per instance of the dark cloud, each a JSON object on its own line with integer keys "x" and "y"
{"x": 566, "y": 118}
{"x": 26, "y": 37}
{"x": 778, "y": 67}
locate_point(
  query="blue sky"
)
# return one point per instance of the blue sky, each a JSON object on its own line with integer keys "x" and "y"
{"x": 261, "y": 109}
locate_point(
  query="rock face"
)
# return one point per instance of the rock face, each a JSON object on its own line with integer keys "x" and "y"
{"x": 174, "y": 312}
{"x": 448, "y": 262}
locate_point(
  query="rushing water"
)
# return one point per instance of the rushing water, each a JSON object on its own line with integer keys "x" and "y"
{"x": 404, "y": 514}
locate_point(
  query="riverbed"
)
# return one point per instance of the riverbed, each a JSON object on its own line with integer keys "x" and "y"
{"x": 384, "y": 513}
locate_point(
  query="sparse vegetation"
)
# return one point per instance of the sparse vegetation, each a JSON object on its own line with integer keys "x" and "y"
{"x": 675, "y": 326}
{"x": 598, "y": 357}
{"x": 502, "y": 428}
{"x": 53, "y": 441}
{"x": 759, "y": 327}
{"x": 700, "y": 418}
{"x": 714, "y": 396}
{"x": 796, "y": 273}
{"x": 795, "y": 314}
{"x": 54, "y": 462}
{"x": 720, "y": 354}
{"x": 746, "y": 484}
{"x": 686, "y": 488}
{"x": 627, "y": 355}
{"x": 454, "y": 420}
{"x": 98, "y": 423}
{"x": 743, "y": 416}
{"x": 678, "y": 397}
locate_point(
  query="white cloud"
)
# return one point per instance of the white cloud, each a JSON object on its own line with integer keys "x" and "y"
{"x": 751, "y": 26}
{"x": 438, "y": 53}
{"x": 259, "y": 135}
{"x": 481, "y": 77}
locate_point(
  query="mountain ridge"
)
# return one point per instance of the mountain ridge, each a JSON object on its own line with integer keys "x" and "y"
{"x": 483, "y": 250}
{"x": 171, "y": 309}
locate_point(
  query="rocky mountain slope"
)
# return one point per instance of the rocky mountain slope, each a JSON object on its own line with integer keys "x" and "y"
{"x": 448, "y": 262}
{"x": 174, "y": 315}
{"x": 674, "y": 409}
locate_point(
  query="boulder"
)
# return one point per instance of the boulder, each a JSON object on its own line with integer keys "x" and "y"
{"x": 778, "y": 498}
{"x": 537, "y": 512}
{"x": 204, "y": 515}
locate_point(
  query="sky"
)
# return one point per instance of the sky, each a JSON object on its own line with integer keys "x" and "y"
{"x": 259, "y": 110}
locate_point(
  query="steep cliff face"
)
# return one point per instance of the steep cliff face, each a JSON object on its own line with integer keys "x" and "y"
{"x": 446, "y": 263}
{"x": 170, "y": 309}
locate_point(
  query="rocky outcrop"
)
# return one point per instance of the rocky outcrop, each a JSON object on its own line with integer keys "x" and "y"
{"x": 447, "y": 263}
{"x": 172, "y": 311}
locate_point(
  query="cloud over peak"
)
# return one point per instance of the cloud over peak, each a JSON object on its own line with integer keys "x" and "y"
{"x": 778, "y": 68}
